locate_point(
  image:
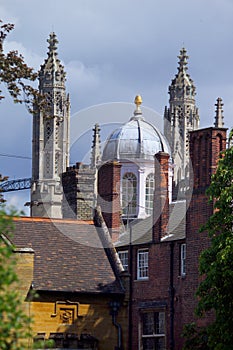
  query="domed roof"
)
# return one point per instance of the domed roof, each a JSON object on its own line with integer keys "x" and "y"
{"x": 135, "y": 139}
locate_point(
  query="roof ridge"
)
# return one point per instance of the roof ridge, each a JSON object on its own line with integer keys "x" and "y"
{"x": 41, "y": 219}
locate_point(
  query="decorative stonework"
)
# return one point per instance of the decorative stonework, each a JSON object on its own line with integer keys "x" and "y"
{"x": 67, "y": 315}
{"x": 180, "y": 118}
{"x": 50, "y": 137}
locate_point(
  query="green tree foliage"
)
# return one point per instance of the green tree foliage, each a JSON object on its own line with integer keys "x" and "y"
{"x": 14, "y": 324}
{"x": 215, "y": 292}
{"x": 14, "y": 74}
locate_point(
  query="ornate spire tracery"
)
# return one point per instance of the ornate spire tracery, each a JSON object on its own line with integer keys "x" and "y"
{"x": 183, "y": 57}
{"x": 52, "y": 71}
{"x": 52, "y": 40}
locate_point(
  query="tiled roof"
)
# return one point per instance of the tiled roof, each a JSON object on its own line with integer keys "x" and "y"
{"x": 68, "y": 255}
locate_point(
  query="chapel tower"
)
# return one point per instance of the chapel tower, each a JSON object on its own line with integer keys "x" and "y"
{"x": 50, "y": 145}
{"x": 180, "y": 118}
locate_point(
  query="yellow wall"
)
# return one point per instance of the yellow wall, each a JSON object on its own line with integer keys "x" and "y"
{"x": 93, "y": 318}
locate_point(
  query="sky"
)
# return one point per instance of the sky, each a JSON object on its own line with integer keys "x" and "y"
{"x": 112, "y": 51}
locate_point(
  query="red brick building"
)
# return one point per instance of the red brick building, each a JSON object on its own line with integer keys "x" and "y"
{"x": 164, "y": 267}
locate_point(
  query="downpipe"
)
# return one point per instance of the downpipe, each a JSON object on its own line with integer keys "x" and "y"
{"x": 114, "y": 311}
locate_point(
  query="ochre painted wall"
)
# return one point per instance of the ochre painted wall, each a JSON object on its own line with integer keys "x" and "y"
{"x": 91, "y": 317}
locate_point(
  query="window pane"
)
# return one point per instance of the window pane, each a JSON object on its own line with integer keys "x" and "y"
{"x": 129, "y": 194}
{"x": 124, "y": 259}
{"x": 148, "y": 344}
{"x": 142, "y": 264}
{"x": 153, "y": 343}
{"x": 160, "y": 343}
{"x": 159, "y": 322}
{"x": 148, "y": 323}
{"x": 153, "y": 330}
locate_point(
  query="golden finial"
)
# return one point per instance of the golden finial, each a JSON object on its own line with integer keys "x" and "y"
{"x": 138, "y": 100}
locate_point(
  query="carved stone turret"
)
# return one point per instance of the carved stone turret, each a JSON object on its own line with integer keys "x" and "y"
{"x": 179, "y": 118}
{"x": 50, "y": 151}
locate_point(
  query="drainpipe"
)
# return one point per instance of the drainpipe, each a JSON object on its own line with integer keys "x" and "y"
{"x": 171, "y": 294}
{"x": 130, "y": 339}
{"x": 115, "y": 305}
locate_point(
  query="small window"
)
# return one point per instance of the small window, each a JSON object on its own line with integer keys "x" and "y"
{"x": 153, "y": 330}
{"x": 183, "y": 259}
{"x": 123, "y": 255}
{"x": 142, "y": 264}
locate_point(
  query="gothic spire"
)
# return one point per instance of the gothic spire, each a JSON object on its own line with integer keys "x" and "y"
{"x": 95, "y": 152}
{"x": 219, "y": 114}
{"x": 182, "y": 86}
{"x": 181, "y": 117}
{"x": 50, "y": 153}
{"x": 52, "y": 71}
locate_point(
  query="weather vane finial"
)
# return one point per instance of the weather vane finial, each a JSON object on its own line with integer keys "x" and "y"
{"x": 138, "y": 100}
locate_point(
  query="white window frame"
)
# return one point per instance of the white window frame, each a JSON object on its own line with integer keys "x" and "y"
{"x": 149, "y": 195}
{"x": 183, "y": 259}
{"x": 124, "y": 258}
{"x": 142, "y": 264}
{"x": 156, "y": 328}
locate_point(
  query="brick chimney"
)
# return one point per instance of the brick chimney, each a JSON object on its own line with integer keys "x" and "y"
{"x": 109, "y": 177}
{"x": 78, "y": 192}
{"x": 161, "y": 196}
{"x": 205, "y": 146}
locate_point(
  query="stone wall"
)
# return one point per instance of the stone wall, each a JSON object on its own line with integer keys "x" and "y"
{"x": 78, "y": 192}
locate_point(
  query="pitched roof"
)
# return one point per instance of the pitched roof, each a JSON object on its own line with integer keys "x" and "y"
{"x": 68, "y": 255}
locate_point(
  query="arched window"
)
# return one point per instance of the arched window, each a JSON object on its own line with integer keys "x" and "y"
{"x": 150, "y": 185}
{"x": 129, "y": 195}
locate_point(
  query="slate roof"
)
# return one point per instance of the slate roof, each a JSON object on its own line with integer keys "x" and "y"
{"x": 68, "y": 255}
{"x": 141, "y": 230}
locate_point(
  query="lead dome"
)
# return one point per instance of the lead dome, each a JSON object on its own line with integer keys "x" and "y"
{"x": 136, "y": 139}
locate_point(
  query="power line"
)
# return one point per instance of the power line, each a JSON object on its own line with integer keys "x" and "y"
{"x": 13, "y": 156}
